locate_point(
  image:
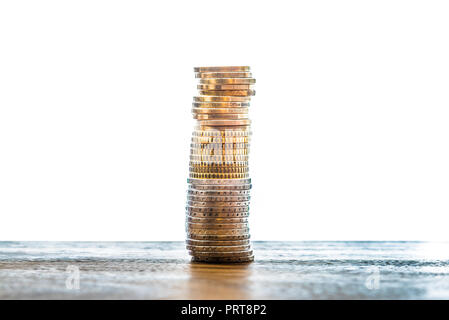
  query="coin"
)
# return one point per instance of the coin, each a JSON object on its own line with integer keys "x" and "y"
{"x": 215, "y": 145}
{"x": 218, "y": 171}
{"x": 200, "y": 225}
{"x": 220, "y": 158}
{"x": 237, "y": 248}
{"x": 218, "y": 232}
{"x": 204, "y": 127}
{"x": 224, "y": 86}
{"x": 220, "y": 110}
{"x": 221, "y": 139}
{"x": 210, "y": 164}
{"x": 223, "y": 75}
{"x": 213, "y": 169}
{"x": 218, "y": 237}
{"x": 219, "y": 181}
{"x": 220, "y": 193}
{"x": 196, "y": 214}
{"x": 226, "y": 122}
{"x": 218, "y": 198}
{"x": 220, "y": 116}
{"x": 223, "y": 260}
{"x": 218, "y": 175}
{"x": 214, "y": 204}
{"x": 237, "y": 93}
{"x": 220, "y": 188}
{"x": 246, "y": 253}
{"x": 219, "y": 152}
{"x": 229, "y": 132}
{"x": 217, "y": 209}
{"x": 216, "y": 105}
{"x": 221, "y": 99}
{"x": 215, "y": 220}
{"x": 229, "y": 80}
{"x": 222, "y": 69}
{"x": 211, "y": 243}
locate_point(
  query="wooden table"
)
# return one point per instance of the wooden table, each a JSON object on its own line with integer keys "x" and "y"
{"x": 282, "y": 270}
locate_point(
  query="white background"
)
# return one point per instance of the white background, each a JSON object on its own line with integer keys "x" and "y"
{"x": 350, "y": 119}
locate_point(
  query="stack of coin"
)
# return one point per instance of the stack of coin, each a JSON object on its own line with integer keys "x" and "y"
{"x": 219, "y": 185}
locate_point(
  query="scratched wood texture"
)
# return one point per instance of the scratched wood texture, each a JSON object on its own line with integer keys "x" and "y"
{"x": 282, "y": 270}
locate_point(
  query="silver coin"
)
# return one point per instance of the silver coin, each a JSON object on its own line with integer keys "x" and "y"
{"x": 217, "y": 214}
{"x": 221, "y": 193}
{"x": 217, "y": 204}
{"x": 220, "y": 187}
{"x": 217, "y": 209}
{"x": 209, "y": 198}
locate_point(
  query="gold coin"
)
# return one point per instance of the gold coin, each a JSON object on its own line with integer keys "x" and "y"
{"x": 218, "y": 248}
{"x": 220, "y": 110}
{"x": 212, "y": 170}
{"x": 218, "y": 175}
{"x": 224, "y": 86}
{"x": 225, "y": 243}
{"x": 223, "y": 260}
{"x": 219, "y": 187}
{"x": 221, "y": 152}
{"x": 228, "y": 132}
{"x": 215, "y": 75}
{"x": 228, "y": 93}
{"x": 237, "y": 164}
{"x": 221, "y": 139}
{"x": 221, "y": 99}
{"x": 199, "y": 225}
{"x": 223, "y": 116}
{"x": 225, "y": 122}
{"x": 218, "y": 232}
{"x": 220, "y": 159}
{"x": 246, "y": 81}
{"x": 213, "y": 105}
{"x": 210, "y": 237}
{"x": 220, "y": 145}
{"x": 222, "y": 69}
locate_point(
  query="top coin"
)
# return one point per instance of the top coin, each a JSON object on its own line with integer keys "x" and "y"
{"x": 222, "y": 69}
{"x": 219, "y": 75}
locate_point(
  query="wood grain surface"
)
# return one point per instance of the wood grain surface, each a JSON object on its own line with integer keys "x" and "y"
{"x": 282, "y": 270}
